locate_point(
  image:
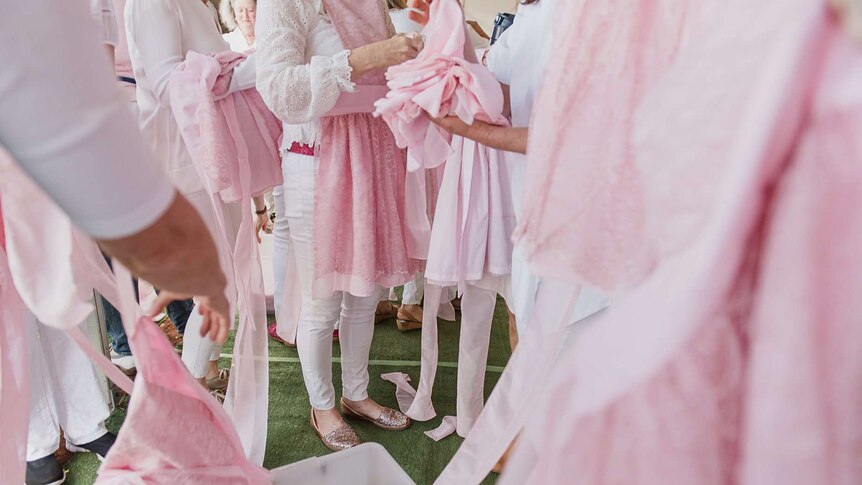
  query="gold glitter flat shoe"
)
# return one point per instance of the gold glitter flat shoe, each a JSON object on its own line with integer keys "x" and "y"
{"x": 338, "y": 440}
{"x": 389, "y": 419}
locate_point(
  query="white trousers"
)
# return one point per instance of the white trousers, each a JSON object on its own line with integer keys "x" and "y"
{"x": 281, "y": 247}
{"x": 64, "y": 392}
{"x": 318, "y": 316}
{"x": 199, "y": 351}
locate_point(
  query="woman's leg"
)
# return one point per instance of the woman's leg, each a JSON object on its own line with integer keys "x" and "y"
{"x": 477, "y": 314}
{"x": 356, "y": 333}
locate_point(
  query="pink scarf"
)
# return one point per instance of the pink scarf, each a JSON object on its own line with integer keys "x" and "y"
{"x": 233, "y": 140}
{"x": 361, "y": 241}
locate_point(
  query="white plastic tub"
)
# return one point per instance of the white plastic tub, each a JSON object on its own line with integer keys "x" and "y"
{"x": 366, "y": 464}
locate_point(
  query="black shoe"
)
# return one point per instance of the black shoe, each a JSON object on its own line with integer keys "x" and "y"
{"x": 45, "y": 471}
{"x": 100, "y": 445}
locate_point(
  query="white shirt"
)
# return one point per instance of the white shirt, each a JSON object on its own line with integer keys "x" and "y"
{"x": 61, "y": 119}
{"x": 519, "y": 56}
{"x": 237, "y": 41}
{"x": 302, "y": 66}
{"x": 159, "y": 34}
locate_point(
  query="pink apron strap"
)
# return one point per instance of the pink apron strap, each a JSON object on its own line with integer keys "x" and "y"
{"x": 247, "y": 397}
{"x": 511, "y": 402}
{"x": 360, "y": 101}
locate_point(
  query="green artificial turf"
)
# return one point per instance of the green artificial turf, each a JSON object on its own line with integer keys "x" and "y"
{"x": 290, "y": 436}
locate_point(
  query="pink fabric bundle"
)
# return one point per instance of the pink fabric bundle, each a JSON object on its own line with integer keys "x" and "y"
{"x": 440, "y": 81}
{"x": 236, "y": 138}
{"x": 361, "y": 240}
{"x": 739, "y": 360}
{"x": 225, "y": 130}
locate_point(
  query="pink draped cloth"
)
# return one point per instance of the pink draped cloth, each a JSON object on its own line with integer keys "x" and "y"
{"x": 233, "y": 139}
{"x": 204, "y": 448}
{"x": 739, "y": 359}
{"x": 360, "y": 232}
{"x": 580, "y": 220}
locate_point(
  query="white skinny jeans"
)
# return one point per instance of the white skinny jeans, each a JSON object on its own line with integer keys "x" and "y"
{"x": 318, "y": 316}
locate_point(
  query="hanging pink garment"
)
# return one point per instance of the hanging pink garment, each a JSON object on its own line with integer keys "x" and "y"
{"x": 361, "y": 240}
{"x": 470, "y": 242}
{"x": 233, "y": 139}
{"x": 609, "y": 55}
{"x": 738, "y": 361}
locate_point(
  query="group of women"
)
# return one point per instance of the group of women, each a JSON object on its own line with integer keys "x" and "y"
{"x": 345, "y": 230}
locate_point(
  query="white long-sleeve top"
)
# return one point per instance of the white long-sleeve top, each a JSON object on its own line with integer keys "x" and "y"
{"x": 61, "y": 120}
{"x": 302, "y": 65}
{"x": 160, "y": 33}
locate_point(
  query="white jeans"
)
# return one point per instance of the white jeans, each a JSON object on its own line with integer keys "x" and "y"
{"x": 64, "y": 391}
{"x": 318, "y": 316}
{"x": 199, "y": 351}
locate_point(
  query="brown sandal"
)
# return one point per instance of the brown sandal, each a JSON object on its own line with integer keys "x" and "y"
{"x": 385, "y": 311}
{"x": 407, "y": 322}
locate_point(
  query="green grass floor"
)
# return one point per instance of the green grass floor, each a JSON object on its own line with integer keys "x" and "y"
{"x": 291, "y": 438}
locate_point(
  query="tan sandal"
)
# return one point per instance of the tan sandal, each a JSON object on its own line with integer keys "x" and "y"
{"x": 385, "y": 311}
{"x": 341, "y": 439}
{"x": 407, "y": 322}
{"x": 389, "y": 419}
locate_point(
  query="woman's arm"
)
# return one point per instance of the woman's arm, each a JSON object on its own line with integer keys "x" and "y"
{"x": 493, "y": 136}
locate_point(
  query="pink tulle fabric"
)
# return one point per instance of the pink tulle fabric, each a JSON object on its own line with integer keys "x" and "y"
{"x": 440, "y": 81}
{"x": 361, "y": 236}
{"x": 224, "y": 130}
{"x": 738, "y": 360}
{"x": 580, "y": 220}
{"x": 236, "y": 137}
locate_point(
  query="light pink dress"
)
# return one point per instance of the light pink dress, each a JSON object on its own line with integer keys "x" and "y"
{"x": 739, "y": 359}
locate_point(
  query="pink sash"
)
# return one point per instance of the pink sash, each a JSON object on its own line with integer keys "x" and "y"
{"x": 246, "y": 136}
{"x": 359, "y": 220}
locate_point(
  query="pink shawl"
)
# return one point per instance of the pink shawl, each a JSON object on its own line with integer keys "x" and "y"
{"x": 609, "y": 54}
{"x": 361, "y": 240}
{"x": 233, "y": 140}
{"x": 738, "y": 360}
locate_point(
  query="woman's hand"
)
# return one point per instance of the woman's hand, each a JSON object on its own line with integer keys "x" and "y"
{"x": 260, "y": 224}
{"x": 215, "y": 309}
{"x": 419, "y": 11}
{"x": 492, "y": 136}
{"x": 385, "y": 53}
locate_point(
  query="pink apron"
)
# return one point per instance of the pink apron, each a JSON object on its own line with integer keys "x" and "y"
{"x": 233, "y": 140}
{"x": 361, "y": 239}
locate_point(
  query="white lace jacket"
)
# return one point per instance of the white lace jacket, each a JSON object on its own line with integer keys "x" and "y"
{"x": 301, "y": 65}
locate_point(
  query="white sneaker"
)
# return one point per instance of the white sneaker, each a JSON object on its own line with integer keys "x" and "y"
{"x": 126, "y": 363}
